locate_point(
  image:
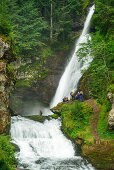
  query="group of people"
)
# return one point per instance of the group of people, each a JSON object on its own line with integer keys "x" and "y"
{"x": 78, "y": 96}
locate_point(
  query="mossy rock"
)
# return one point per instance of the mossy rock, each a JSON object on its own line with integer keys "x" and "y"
{"x": 41, "y": 118}
{"x": 55, "y": 116}
{"x": 101, "y": 155}
{"x": 38, "y": 118}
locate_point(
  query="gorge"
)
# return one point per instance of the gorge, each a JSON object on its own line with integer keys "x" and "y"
{"x": 48, "y": 49}
{"x": 42, "y": 145}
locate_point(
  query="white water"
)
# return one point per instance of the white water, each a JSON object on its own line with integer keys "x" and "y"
{"x": 42, "y": 145}
{"x": 72, "y": 73}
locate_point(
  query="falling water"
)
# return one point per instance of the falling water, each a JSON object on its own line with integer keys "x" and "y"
{"x": 72, "y": 73}
{"x": 42, "y": 145}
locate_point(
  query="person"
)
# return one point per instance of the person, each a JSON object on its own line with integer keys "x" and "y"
{"x": 77, "y": 96}
{"x": 81, "y": 96}
{"x": 72, "y": 95}
{"x": 65, "y": 99}
{"x": 41, "y": 113}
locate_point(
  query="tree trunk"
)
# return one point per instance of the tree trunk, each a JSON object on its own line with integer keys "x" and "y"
{"x": 51, "y": 22}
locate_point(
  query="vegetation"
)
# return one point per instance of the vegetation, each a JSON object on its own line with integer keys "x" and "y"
{"x": 35, "y": 29}
{"x": 99, "y": 76}
{"x": 34, "y": 24}
{"x": 102, "y": 126}
{"x": 76, "y": 121}
{"x": 7, "y": 159}
{"x": 22, "y": 83}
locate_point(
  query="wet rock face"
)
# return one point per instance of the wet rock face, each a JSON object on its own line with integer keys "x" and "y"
{"x": 4, "y": 92}
{"x": 45, "y": 88}
{"x": 111, "y": 113}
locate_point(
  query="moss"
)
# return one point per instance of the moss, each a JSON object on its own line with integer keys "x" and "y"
{"x": 35, "y": 117}
{"x": 101, "y": 155}
{"x": 55, "y": 116}
{"x": 22, "y": 83}
{"x": 41, "y": 118}
{"x": 59, "y": 106}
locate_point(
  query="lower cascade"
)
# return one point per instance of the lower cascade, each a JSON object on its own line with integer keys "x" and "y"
{"x": 42, "y": 146}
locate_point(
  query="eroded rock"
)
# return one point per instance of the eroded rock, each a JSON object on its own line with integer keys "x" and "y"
{"x": 4, "y": 89}
{"x": 111, "y": 113}
{"x": 3, "y": 47}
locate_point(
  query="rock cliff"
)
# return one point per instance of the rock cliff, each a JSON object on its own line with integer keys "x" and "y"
{"x": 5, "y": 85}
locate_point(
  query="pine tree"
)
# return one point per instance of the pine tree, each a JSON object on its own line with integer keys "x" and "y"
{"x": 5, "y": 26}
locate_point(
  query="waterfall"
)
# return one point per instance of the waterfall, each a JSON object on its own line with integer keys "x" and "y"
{"x": 42, "y": 145}
{"x": 72, "y": 73}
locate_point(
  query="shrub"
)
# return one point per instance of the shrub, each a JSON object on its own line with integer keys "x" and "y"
{"x": 7, "y": 159}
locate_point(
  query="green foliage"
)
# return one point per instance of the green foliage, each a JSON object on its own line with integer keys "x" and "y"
{"x": 100, "y": 70}
{"x": 31, "y": 23}
{"x": 85, "y": 3}
{"x": 100, "y": 73}
{"x": 103, "y": 18}
{"x": 76, "y": 121}
{"x": 7, "y": 159}
{"x": 110, "y": 88}
{"x": 5, "y": 26}
{"x": 102, "y": 126}
{"x": 80, "y": 111}
{"x": 22, "y": 83}
{"x": 11, "y": 72}
{"x": 55, "y": 116}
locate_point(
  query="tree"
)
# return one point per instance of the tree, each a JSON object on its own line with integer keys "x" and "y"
{"x": 103, "y": 18}
{"x": 5, "y": 26}
{"x": 30, "y": 29}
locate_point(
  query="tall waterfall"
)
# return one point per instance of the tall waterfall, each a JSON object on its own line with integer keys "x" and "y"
{"x": 42, "y": 145}
{"x": 72, "y": 73}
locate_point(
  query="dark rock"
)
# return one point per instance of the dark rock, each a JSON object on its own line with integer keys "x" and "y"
{"x": 17, "y": 149}
{"x": 41, "y": 160}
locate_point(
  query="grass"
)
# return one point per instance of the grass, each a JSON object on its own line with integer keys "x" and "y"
{"x": 76, "y": 121}
{"x": 102, "y": 126}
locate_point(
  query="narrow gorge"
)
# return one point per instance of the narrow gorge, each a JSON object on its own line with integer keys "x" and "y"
{"x": 49, "y": 49}
{"x": 44, "y": 146}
